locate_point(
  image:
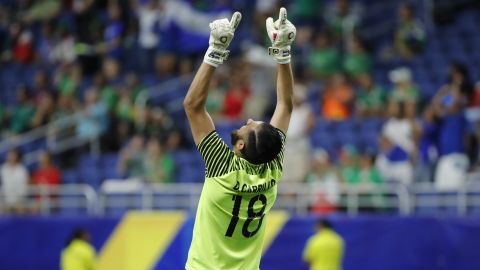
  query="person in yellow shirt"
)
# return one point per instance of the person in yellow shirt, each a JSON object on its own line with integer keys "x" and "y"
{"x": 324, "y": 250}
{"x": 79, "y": 254}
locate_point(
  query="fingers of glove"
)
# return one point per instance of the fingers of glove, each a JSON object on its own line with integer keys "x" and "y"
{"x": 282, "y": 17}
{"x": 235, "y": 21}
{"x": 223, "y": 23}
{"x": 270, "y": 25}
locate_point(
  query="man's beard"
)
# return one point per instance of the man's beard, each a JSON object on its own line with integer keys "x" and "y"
{"x": 234, "y": 137}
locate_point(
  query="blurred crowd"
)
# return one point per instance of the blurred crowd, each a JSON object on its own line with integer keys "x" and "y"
{"x": 93, "y": 59}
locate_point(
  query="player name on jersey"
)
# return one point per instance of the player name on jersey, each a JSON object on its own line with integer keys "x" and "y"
{"x": 255, "y": 188}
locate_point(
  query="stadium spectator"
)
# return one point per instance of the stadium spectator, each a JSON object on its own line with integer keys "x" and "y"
{"x": 348, "y": 164}
{"x": 324, "y": 250}
{"x": 237, "y": 95}
{"x": 324, "y": 59}
{"x": 148, "y": 14}
{"x": 453, "y": 162}
{"x": 68, "y": 79}
{"x": 216, "y": 97}
{"x": 93, "y": 119}
{"x": 369, "y": 178}
{"x": 459, "y": 80}
{"x": 152, "y": 122}
{"x": 370, "y": 97}
{"x": 45, "y": 110}
{"x": 133, "y": 85}
{"x": 41, "y": 11}
{"x": 297, "y": 148}
{"x": 21, "y": 115}
{"x": 393, "y": 163}
{"x": 337, "y": 98}
{"x": 409, "y": 34}
{"x": 342, "y": 17}
{"x": 131, "y": 157}
{"x": 15, "y": 177}
{"x": 404, "y": 89}
{"x": 398, "y": 140}
{"x": 357, "y": 60}
{"x": 308, "y": 12}
{"x": 323, "y": 178}
{"x": 62, "y": 48}
{"x": 114, "y": 31}
{"x": 164, "y": 67}
{"x": 18, "y": 45}
{"x": 427, "y": 146}
{"x": 41, "y": 87}
{"x": 368, "y": 174}
{"x": 78, "y": 254}
{"x": 176, "y": 141}
{"x": 399, "y": 129}
{"x": 158, "y": 163}
{"x": 47, "y": 173}
{"x": 124, "y": 108}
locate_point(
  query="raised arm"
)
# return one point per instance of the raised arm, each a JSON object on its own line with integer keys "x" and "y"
{"x": 222, "y": 32}
{"x": 194, "y": 103}
{"x": 282, "y": 33}
{"x": 284, "y": 107}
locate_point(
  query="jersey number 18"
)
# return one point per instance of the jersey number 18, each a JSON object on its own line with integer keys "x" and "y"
{"x": 251, "y": 215}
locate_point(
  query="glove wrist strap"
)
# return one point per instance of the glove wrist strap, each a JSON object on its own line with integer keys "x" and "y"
{"x": 215, "y": 56}
{"x": 281, "y": 55}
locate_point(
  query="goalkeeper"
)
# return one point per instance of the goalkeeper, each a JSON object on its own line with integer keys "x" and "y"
{"x": 240, "y": 184}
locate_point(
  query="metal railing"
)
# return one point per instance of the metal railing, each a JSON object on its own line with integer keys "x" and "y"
{"x": 296, "y": 198}
{"x": 46, "y": 200}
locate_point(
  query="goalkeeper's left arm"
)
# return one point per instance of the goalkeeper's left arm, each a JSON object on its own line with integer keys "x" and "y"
{"x": 222, "y": 32}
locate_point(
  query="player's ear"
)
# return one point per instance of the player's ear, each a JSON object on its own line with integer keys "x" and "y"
{"x": 239, "y": 144}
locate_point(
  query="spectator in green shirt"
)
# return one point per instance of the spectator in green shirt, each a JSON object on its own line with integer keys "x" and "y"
{"x": 68, "y": 80}
{"x": 404, "y": 90}
{"x": 131, "y": 158}
{"x": 158, "y": 163}
{"x": 369, "y": 177}
{"x": 133, "y": 85}
{"x": 324, "y": 59}
{"x": 357, "y": 60}
{"x": 370, "y": 98}
{"x": 342, "y": 17}
{"x": 348, "y": 164}
{"x": 409, "y": 33}
{"x": 368, "y": 173}
{"x": 22, "y": 113}
{"x": 307, "y": 11}
{"x": 124, "y": 109}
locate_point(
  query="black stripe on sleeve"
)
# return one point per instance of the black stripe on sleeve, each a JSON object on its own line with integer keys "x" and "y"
{"x": 216, "y": 154}
{"x": 278, "y": 161}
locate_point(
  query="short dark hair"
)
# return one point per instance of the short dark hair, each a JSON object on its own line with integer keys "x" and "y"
{"x": 325, "y": 223}
{"x": 263, "y": 145}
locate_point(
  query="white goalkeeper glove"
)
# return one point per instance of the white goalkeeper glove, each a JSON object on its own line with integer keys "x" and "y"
{"x": 281, "y": 33}
{"x": 221, "y": 34}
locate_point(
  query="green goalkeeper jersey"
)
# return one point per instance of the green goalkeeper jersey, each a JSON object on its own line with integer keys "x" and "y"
{"x": 233, "y": 207}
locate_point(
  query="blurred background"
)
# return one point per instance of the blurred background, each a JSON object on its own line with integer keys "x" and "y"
{"x": 384, "y": 136}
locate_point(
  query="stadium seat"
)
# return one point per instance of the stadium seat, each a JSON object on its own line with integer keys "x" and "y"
{"x": 70, "y": 177}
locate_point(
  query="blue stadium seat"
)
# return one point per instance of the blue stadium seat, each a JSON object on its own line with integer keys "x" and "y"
{"x": 70, "y": 208}
{"x": 108, "y": 164}
{"x": 89, "y": 161}
{"x": 349, "y": 125}
{"x": 70, "y": 177}
{"x": 91, "y": 176}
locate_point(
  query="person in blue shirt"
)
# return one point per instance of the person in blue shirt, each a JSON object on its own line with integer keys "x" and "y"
{"x": 452, "y": 136}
